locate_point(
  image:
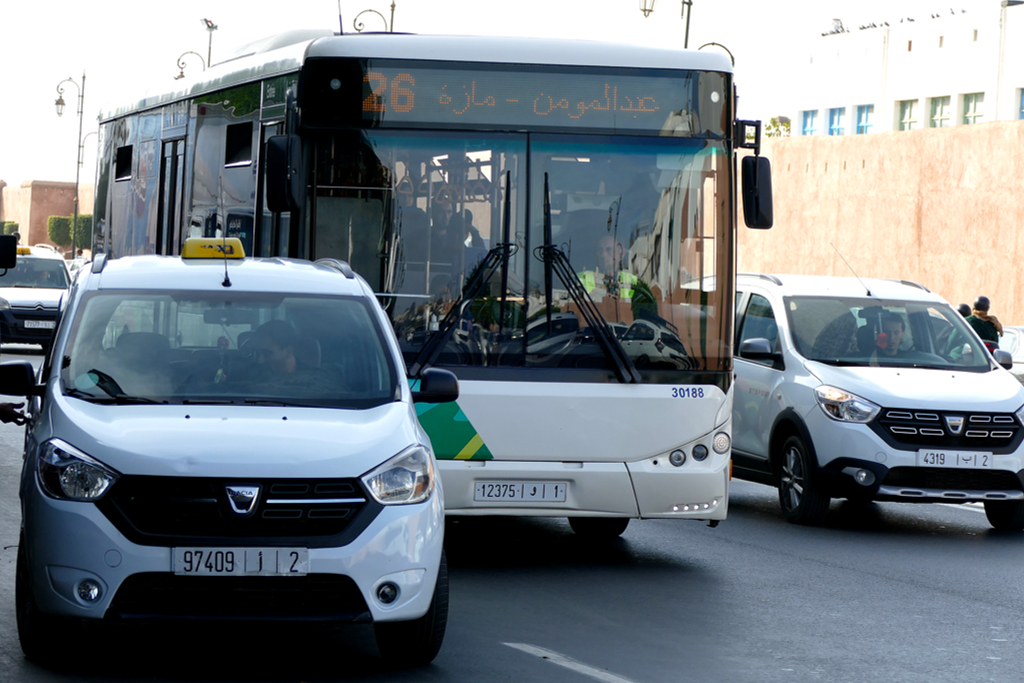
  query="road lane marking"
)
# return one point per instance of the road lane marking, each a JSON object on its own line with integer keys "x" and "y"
{"x": 572, "y": 664}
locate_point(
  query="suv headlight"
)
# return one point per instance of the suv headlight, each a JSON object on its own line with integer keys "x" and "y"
{"x": 69, "y": 474}
{"x": 406, "y": 478}
{"x": 844, "y": 406}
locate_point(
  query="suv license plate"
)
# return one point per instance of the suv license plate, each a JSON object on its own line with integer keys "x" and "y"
{"x": 240, "y": 561}
{"x": 520, "y": 491}
{"x": 968, "y": 460}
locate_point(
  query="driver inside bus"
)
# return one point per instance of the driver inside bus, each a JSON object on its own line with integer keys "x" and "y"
{"x": 608, "y": 277}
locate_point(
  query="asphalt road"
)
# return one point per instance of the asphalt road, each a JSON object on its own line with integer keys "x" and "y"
{"x": 884, "y": 592}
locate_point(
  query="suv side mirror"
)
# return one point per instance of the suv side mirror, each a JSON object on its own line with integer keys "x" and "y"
{"x": 756, "y": 177}
{"x": 437, "y": 386}
{"x": 1004, "y": 358}
{"x": 18, "y": 378}
{"x": 758, "y": 349}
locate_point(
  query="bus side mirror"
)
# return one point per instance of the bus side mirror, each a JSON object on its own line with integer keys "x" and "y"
{"x": 284, "y": 180}
{"x": 8, "y": 251}
{"x": 756, "y": 177}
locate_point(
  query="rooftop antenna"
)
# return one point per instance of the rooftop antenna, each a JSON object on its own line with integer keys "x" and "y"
{"x": 341, "y": 24}
{"x": 851, "y": 270}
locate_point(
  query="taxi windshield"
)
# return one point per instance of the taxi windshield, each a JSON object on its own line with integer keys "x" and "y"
{"x": 37, "y": 273}
{"x": 875, "y": 332}
{"x": 259, "y": 349}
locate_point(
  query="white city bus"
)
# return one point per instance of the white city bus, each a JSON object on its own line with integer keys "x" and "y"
{"x": 553, "y": 221}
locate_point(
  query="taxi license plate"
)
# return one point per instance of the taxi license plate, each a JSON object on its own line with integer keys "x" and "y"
{"x": 40, "y": 324}
{"x": 240, "y": 561}
{"x": 967, "y": 460}
{"x": 521, "y": 491}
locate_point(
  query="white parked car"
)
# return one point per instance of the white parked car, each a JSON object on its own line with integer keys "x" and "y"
{"x": 228, "y": 438}
{"x": 872, "y": 390}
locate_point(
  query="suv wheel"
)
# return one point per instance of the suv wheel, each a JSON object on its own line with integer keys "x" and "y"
{"x": 801, "y": 502}
{"x": 417, "y": 642}
{"x": 1005, "y": 515}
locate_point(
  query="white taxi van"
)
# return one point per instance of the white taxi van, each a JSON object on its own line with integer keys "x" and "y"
{"x": 228, "y": 438}
{"x": 30, "y": 296}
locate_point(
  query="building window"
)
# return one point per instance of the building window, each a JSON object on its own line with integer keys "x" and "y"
{"x": 810, "y": 123}
{"x": 865, "y": 113}
{"x": 908, "y": 114}
{"x": 836, "y": 121}
{"x": 973, "y": 108}
{"x": 940, "y": 113}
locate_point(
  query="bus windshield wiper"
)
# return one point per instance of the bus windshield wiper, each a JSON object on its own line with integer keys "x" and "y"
{"x": 557, "y": 263}
{"x": 496, "y": 259}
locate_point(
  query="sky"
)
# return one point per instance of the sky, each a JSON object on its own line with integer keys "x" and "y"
{"x": 126, "y": 48}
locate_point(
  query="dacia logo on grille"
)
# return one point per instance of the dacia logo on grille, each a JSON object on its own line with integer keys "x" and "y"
{"x": 243, "y": 499}
{"x": 955, "y": 424}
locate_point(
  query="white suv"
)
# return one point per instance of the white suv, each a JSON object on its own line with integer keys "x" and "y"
{"x": 872, "y": 390}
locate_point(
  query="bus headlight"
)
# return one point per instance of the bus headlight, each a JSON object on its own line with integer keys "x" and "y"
{"x": 406, "y": 478}
{"x": 845, "y": 407}
{"x": 69, "y": 474}
{"x": 721, "y": 443}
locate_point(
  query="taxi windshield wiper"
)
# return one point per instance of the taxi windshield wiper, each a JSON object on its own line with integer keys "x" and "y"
{"x": 119, "y": 399}
{"x": 114, "y": 392}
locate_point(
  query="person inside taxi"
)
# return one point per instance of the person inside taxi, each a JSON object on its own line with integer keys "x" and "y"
{"x": 274, "y": 345}
{"x": 891, "y": 336}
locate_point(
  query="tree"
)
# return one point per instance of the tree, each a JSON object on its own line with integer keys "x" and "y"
{"x": 58, "y": 228}
{"x": 10, "y": 227}
{"x": 778, "y": 127}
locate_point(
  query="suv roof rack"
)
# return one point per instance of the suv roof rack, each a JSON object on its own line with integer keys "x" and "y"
{"x": 763, "y": 276}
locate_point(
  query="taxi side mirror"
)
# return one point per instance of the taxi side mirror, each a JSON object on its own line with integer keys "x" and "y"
{"x": 1004, "y": 358}
{"x": 8, "y": 251}
{"x": 18, "y": 378}
{"x": 437, "y": 386}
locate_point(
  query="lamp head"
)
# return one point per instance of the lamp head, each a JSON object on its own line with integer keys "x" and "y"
{"x": 60, "y": 105}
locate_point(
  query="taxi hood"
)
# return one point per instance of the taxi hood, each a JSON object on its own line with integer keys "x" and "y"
{"x": 233, "y": 441}
{"x": 29, "y": 297}
{"x": 926, "y": 388}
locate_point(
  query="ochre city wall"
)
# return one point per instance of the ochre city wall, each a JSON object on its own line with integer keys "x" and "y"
{"x": 942, "y": 207}
{"x": 32, "y": 204}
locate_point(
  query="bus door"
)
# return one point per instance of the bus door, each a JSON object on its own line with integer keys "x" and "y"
{"x": 172, "y": 166}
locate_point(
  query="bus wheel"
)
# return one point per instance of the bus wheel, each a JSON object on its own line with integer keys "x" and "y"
{"x": 801, "y": 501}
{"x": 417, "y": 642}
{"x": 599, "y": 527}
{"x": 1005, "y": 515}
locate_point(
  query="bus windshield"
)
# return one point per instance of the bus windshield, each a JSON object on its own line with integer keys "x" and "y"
{"x": 636, "y": 218}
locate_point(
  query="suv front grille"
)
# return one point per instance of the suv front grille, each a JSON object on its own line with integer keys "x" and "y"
{"x": 196, "y": 510}
{"x": 948, "y": 479}
{"x": 996, "y": 432}
{"x": 164, "y": 595}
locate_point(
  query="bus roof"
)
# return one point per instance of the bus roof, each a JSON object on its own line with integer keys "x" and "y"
{"x": 286, "y": 52}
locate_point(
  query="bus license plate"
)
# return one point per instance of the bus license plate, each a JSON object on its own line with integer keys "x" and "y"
{"x": 520, "y": 491}
{"x": 40, "y": 324}
{"x": 240, "y": 561}
{"x": 969, "y": 460}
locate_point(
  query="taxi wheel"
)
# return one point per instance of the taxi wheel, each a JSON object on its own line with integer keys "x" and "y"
{"x": 1005, "y": 515}
{"x": 801, "y": 501}
{"x": 599, "y": 527}
{"x": 417, "y": 642}
{"x": 35, "y": 629}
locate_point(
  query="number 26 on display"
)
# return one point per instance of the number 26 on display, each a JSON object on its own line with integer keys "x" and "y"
{"x": 687, "y": 392}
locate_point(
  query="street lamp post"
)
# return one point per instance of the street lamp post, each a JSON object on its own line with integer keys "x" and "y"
{"x": 647, "y": 6}
{"x": 210, "y": 28}
{"x": 181, "y": 64}
{"x": 388, "y": 27}
{"x": 78, "y": 162}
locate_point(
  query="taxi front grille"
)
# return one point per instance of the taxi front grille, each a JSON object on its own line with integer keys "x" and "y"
{"x": 197, "y": 510}
{"x": 167, "y": 596}
{"x": 963, "y": 430}
{"x": 952, "y": 479}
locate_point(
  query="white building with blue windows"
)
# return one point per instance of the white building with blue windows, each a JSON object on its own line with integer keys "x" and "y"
{"x": 950, "y": 67}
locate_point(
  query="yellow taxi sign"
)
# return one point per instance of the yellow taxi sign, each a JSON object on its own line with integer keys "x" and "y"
{"x": 24, "y": 250}
{"x": 213, "y": 248}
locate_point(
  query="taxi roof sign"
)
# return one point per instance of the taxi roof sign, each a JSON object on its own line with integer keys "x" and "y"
{"x": 213, "y": 248}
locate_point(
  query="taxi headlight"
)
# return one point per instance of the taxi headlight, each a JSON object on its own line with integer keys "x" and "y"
{"x": 406, "y": 478}
{"x": 69, "y": 474}
{"x": 4, "y": 304}
{"x": 845, "y": 407}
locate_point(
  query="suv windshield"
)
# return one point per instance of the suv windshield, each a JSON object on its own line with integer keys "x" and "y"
{"x": 189, "y": 347}
{"x": 863, "y": 331}
{"x": 37, "y": 273}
